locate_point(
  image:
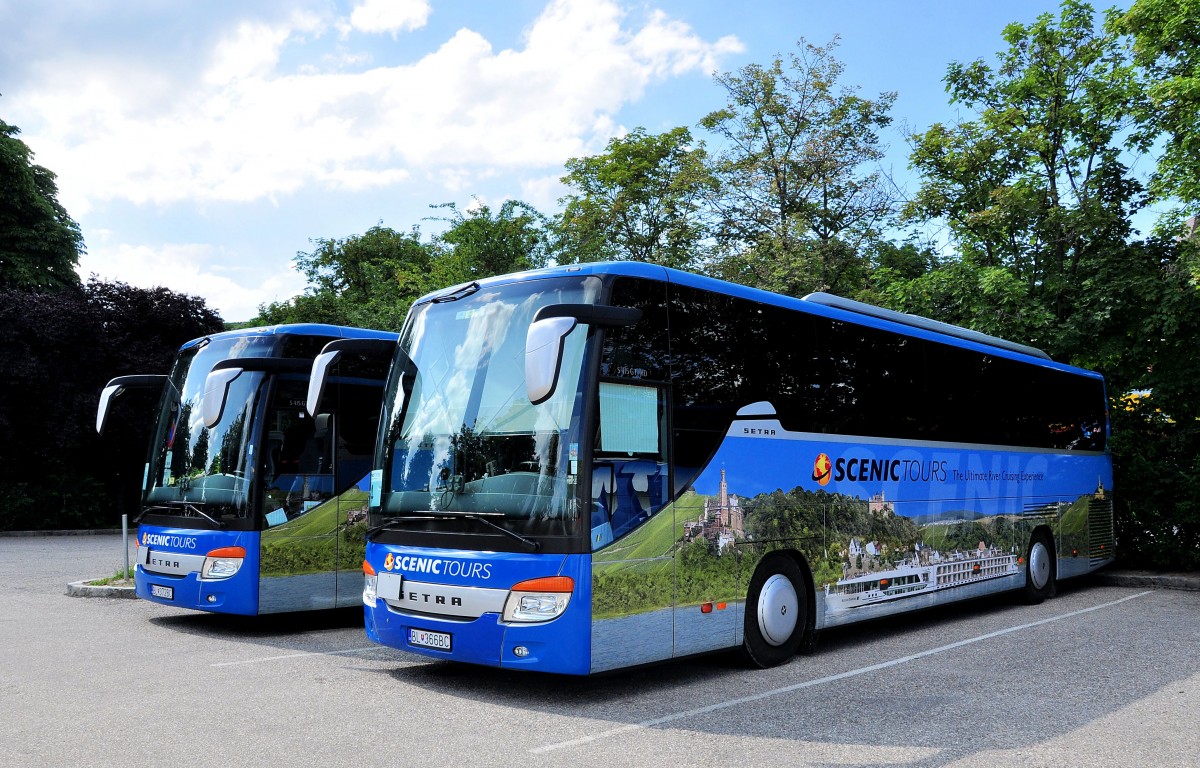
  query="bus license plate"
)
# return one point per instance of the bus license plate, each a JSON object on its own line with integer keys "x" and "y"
{"x": 426, "y": 639}
{"x": 166, "y": 593}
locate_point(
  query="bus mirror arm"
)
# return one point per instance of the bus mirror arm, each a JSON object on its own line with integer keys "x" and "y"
{"x": 116, "y": 387}
{"x": 216, "y": 385}
{"x": 544, "y": 340}
{"x": 329, "y": 355}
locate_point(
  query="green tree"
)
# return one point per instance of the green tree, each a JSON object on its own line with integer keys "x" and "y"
{"x": 801, "y": 195}
{"x": 39, "y": 243}
{"x": 1166, "y": 37}
{"x": 58, "y": 348}
{"x": 366, "y": 281}
{"x": 478, "y": 244}
{"x": 642, "y": 199}
{"x": 990, "y": 300}
{"x": 1036, "y": 183}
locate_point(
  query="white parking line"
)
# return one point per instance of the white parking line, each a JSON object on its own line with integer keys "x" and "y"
{"x": 292, "y": 656}
{"x": 820, "y": 681}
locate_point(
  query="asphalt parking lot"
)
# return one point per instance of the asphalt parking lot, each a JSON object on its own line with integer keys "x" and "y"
{"x": 1102, "y": 675}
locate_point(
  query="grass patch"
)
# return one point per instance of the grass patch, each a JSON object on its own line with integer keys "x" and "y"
{"x": 120, "y": 578}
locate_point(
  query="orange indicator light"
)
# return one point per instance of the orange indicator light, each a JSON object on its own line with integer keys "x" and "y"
{"x": 546, "y": 584}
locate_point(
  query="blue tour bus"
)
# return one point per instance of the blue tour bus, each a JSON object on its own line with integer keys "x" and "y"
{"x": 592, "y": 467}
{"x": 249, "y": 504}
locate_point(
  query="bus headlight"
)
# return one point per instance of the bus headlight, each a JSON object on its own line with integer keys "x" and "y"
{"x": 539, "y": 599}
{"x": 370, "y": 585}
{"x": 222, "y": 563}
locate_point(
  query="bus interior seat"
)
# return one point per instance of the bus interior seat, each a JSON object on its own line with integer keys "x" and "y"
{"x": 310, "y": 458}
{"x": 274, "y": 451}
{"x": 639, "y": 493}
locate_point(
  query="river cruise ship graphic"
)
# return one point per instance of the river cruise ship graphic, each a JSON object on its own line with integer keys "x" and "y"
{"x": 909, "y": 579}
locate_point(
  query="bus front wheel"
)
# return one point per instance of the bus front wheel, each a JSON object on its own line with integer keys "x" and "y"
{"x": 776, "y": 612}
{"x": 1040, "y": 569}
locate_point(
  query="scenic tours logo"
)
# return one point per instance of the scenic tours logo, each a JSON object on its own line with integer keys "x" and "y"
{"x": 870, "y": 470}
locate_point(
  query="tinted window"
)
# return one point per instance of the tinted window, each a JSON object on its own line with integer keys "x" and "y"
{"x": 873, "y": 382}
{"x": 728, "y": 353}
{"x": 830, "y": 376}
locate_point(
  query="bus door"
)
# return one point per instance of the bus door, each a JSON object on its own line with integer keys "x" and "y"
{"x": 635, "y": 530}
{"x": 298, "y": 559}
{"x": 632, "y": 530}
{"x": 357, "y": 405}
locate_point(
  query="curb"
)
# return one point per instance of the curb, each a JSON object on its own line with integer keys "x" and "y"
{"x": 1188, "y": 582}
{"x": 83, "y": 589}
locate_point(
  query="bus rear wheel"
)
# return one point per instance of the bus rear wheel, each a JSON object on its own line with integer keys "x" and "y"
{"x": 776, "y": 612}
{"x": 1040, "y": 574}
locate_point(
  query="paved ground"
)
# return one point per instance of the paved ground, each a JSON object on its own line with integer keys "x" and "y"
{"x": 1103, "y": 675}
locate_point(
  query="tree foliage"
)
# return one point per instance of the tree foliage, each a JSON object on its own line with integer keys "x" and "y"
{"x": 39, "y": 243}
{"x": 371, "y": 280}
{"x": 1036, "y": 184}
{"x": 57, "y": 351}
{"x": 1031, "y": 195}
{"x": 365, "y": 281}
{"x": 800, "y": 192}
{"x": 1166, "y": 37}
{"x": 478, "y": 245}
{"x": 642, "y": 199}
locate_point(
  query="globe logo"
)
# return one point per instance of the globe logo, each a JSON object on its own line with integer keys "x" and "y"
{"x": 388, "y": 561}
{"x": 822, "y": 469}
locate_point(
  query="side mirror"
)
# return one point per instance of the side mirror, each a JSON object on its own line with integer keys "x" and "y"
{"x": 330, "y": 354}
{"x": 117, "y": 387}
{"x": 543, "y": 355}
{"x": 216, "y": 392}
{"x": 317, "y": 380}
{"x": 544, "y": 340}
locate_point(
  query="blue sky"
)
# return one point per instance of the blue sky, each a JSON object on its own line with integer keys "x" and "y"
{"x": 201, "y": 144}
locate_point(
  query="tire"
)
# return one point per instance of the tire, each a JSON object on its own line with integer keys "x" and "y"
{"x": 1040, "y": 568}
{"x": 776, "y": 612}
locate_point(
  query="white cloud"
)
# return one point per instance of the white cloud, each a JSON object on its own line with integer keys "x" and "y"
{"x": 233, "y": 292}
{"x": 389, "y": 15}
{"x": 247, "y": 127}
{"x": 543, "y": 192}
{"x": 670, "y": 47}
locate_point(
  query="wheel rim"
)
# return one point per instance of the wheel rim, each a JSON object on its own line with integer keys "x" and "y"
{"x": 1039, "y": 565}
{"x": 778, "y": 609}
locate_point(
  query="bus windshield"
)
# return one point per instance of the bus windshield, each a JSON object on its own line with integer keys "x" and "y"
{"x": 195, "y": 470}
{"x": 463, "y": 449}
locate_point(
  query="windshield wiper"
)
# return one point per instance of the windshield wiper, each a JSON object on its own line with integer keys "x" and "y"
{"x": 172, "y": 508}
{"x": 387, "y": 525}
{"x": 534, "y": 545}
{"x": 482, "y": 518}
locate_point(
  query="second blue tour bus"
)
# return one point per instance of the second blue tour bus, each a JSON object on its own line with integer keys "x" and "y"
{"x": 250, "y": 505}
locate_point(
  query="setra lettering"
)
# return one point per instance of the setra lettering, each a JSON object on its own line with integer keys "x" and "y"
{"x": 422, "y": 597}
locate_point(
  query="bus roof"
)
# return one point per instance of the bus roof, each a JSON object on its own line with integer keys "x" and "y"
{"x": 824, "y": 305}
{"x": 299, "y": 329}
